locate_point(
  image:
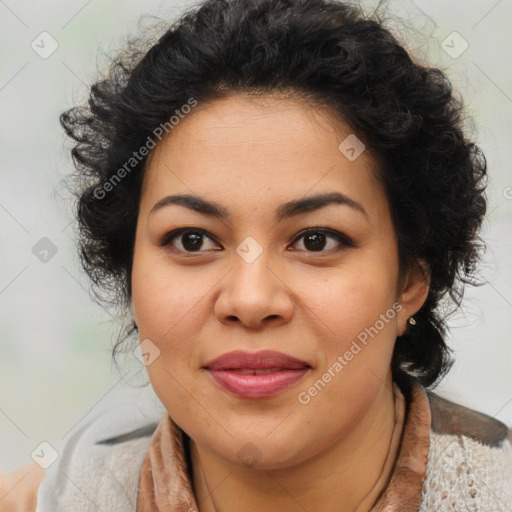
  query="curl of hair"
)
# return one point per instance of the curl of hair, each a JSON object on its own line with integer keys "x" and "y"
{"x": 327, "y": 53}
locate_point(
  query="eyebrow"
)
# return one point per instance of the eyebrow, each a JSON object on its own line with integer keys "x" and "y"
{"x": 286, "y": 210}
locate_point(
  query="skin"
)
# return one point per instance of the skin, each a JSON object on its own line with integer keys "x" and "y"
{"x": 18, "y": 489}
{"x": 250, "y": 155}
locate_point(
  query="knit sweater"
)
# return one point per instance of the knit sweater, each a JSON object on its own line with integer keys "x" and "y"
{"x": 468, "y": 465}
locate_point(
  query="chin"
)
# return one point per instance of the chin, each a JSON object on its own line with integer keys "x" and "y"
{"x": 254, "y": 451}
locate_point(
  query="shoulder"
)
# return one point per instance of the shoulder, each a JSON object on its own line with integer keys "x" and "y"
{"x": 99, "y": 464}
{"x": 452, "y": 418}
{"x": 18, "y": 489}
{"x": 469, "y": 464}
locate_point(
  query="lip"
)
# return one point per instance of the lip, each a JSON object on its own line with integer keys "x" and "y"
{"x": 231, "y": 372}
{"x": 261, "y": 360}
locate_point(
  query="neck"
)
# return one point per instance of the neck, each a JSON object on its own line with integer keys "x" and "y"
{"x": 348, "y": 476}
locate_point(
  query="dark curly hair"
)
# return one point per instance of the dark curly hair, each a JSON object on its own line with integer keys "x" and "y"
{"x": 324, "y": 52}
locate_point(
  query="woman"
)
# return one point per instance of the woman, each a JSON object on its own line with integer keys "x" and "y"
{"x": 281, "y": 198}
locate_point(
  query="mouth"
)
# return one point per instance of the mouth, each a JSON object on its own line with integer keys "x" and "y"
{"x": 252, "y": 371}
{"x": 256, "y": 375}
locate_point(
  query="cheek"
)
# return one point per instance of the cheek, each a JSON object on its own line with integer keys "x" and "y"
{"x": 356, "y": 320}
{"x": 168, "y": 308}
{"x": 166, "y": 301}
{"x": 353, "y": 298}
{"x": 356, "y": 315}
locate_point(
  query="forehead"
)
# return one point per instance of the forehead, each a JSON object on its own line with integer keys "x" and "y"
{"x": 260, "y": 148}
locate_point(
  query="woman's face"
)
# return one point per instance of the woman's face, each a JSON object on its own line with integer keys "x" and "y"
{"x": 316, "y": 280}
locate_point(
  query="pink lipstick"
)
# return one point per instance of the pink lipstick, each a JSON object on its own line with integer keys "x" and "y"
{"x": 256, "y": 374}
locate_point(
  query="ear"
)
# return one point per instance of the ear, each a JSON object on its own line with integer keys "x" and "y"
{"x": 413, "y": 294}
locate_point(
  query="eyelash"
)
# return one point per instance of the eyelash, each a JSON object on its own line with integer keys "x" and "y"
{"x": 343, "y": 240}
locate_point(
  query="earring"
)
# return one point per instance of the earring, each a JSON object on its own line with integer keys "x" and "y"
{"x": 412, "y": 321}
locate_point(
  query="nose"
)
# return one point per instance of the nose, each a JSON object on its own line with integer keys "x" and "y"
{"x": 253, "y": 295}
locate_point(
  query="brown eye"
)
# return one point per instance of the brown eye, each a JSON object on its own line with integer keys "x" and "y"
{"x": 323, "y": 240}
{"x": 187, "y": 240}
